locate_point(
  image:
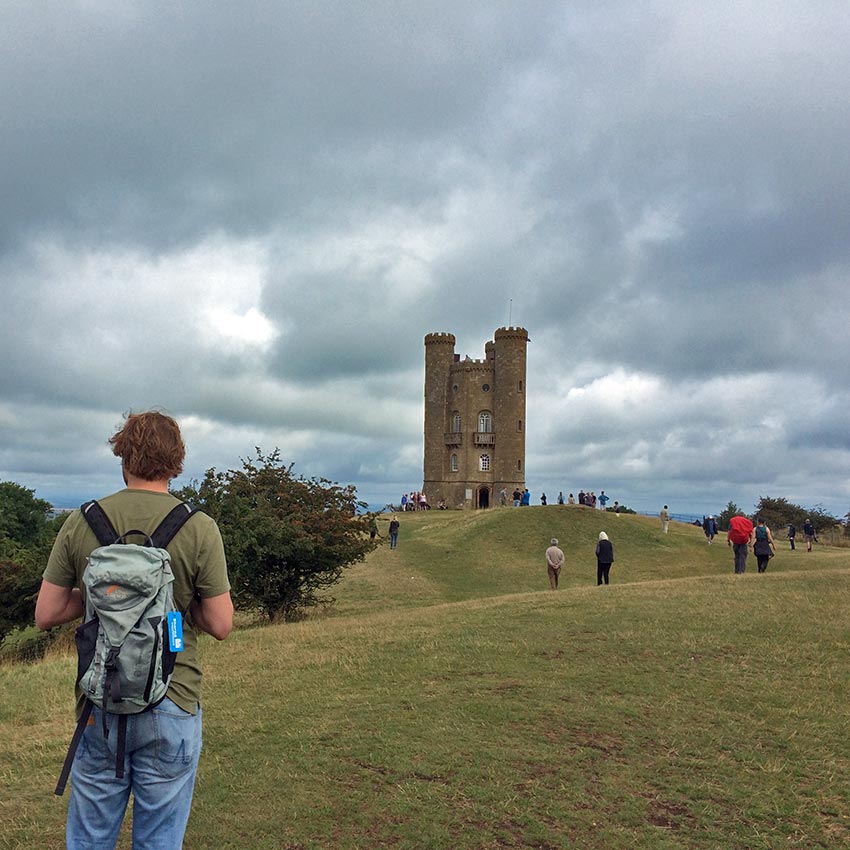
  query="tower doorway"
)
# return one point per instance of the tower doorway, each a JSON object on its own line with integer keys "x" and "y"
{"x": 483, "y": 497}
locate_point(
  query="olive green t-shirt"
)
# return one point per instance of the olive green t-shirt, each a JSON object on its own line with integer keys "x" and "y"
{"x": 197, "y": 560}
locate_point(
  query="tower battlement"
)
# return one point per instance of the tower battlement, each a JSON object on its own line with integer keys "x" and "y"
{"x": 440, "y": 339}
{"x": 511, "y": 333}
{"x": 472, "y": 366}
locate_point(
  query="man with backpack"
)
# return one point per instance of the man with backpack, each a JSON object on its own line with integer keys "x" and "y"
{"x": 738, "y": 537}
{"x": 126, "y": 740}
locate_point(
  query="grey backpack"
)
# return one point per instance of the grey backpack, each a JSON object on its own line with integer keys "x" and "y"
{"x": 124, "y": 657}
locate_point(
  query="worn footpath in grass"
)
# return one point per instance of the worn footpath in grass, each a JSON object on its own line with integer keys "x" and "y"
{"x": 673, "y": 711}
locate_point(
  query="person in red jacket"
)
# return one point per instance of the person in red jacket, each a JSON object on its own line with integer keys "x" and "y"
{"x": 738, "y": 537}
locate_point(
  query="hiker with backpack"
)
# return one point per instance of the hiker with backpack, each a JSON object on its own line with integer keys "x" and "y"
{"x": 147, "y": 573}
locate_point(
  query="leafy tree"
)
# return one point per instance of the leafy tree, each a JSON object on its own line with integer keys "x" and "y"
{"x": 23, "y": 518}
{"x": 20, "y": 579}
{"x": 26, "y": 536}
{"x": 778, "y": 513}
{"x": 286, "y": 537}
{"x": 726, "y": 514}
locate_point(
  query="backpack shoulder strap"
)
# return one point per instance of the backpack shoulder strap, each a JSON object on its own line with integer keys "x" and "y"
{"x": 99, "y": 523}
{"x": 72, "y": 750}
{"x": 175, "y": 520}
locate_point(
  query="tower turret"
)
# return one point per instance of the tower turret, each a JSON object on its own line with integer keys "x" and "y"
{"x": 439, "y": 356}
{"x": 511, "y": 346}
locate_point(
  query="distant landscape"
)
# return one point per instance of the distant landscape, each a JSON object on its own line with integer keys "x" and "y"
{"x": 448, "y": 699}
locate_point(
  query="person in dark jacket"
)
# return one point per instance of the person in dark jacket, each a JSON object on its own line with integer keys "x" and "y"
{"x": 604, "y": 558}
{"x": 394, "y": 526}
{"x": 809, "y": 534}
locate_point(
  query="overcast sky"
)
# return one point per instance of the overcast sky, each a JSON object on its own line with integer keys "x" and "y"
{"x": 250, "y": 214}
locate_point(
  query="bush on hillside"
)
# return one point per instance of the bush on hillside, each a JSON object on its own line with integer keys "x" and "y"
{"x": 621, "y": 510}
{"x": 286, "y": 537}
{"x": 20, "y": 578}
{"x": 28, "y": 643}
{"x": 26, "y": 535}
{"x": 778, "y": 513}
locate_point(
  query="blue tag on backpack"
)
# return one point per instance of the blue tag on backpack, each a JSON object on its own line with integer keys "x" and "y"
{"x": 175, "y": 631}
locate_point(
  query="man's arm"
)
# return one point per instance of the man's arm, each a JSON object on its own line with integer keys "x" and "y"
{"x": 57, "y": 605}
{"x": 213, "y": 615}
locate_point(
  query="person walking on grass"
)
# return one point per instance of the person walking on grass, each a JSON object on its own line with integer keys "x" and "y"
{"x": 394, "y": 526}
{"x": 709, "y": 526}
{"x": 163, "y": 742}
{"x": 604, "y": 558}
{"x": 554, "y": 562}
{"x": 809, "y": 534}
{"x": 763, "y": 546}
{"x": 665, "y": 518}
{"x": 738, "y": 537}
{"x": 792, "y": 533}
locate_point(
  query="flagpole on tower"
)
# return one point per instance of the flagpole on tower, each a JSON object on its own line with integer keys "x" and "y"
{"x": 510, "y": 312}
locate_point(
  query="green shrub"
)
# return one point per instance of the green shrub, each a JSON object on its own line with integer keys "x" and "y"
{"x": 20, "y": 580}
{"x": 287, "y": 538}
{"x": 25, "y": 644}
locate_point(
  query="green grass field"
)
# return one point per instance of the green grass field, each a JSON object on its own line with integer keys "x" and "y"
{"x": 448, "y": 699}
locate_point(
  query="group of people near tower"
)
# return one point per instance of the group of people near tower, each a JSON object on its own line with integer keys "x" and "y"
{"x": 414, "y": 501}
{"x": 588, "y": 499}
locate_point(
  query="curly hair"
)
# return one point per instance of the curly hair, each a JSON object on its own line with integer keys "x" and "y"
{"x": 150, "y": 446}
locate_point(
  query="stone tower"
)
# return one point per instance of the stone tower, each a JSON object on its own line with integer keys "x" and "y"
{"x": 474, "y": 420}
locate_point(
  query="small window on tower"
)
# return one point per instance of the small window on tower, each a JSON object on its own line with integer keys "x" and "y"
{"x": 519, "y": 465}
{"x": 485, "y": 422}
{"x": 519, "y": 425}
{"x": 454, "y": 463}
{"x": 484, "y": 463}
{"x": 456, "y": 423}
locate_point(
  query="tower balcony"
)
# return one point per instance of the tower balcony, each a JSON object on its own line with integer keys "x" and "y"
{"x": 453, "y": 439}
{"x": 484, "y": 438}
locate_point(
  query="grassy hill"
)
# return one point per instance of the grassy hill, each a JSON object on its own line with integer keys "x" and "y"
{"x": 445, "y": 556}
{"x": 449, "y": 700}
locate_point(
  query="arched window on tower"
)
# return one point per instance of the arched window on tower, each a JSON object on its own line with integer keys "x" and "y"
{"x": 485, "y": 422}
{"x": 456, "y": 422}
{"x": 484, "y": 463}
{"x": 454, "y": 463}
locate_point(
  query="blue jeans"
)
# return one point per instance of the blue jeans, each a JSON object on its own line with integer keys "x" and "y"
{"x": 163, "y": 747}
{"x": 393, "y": 539}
